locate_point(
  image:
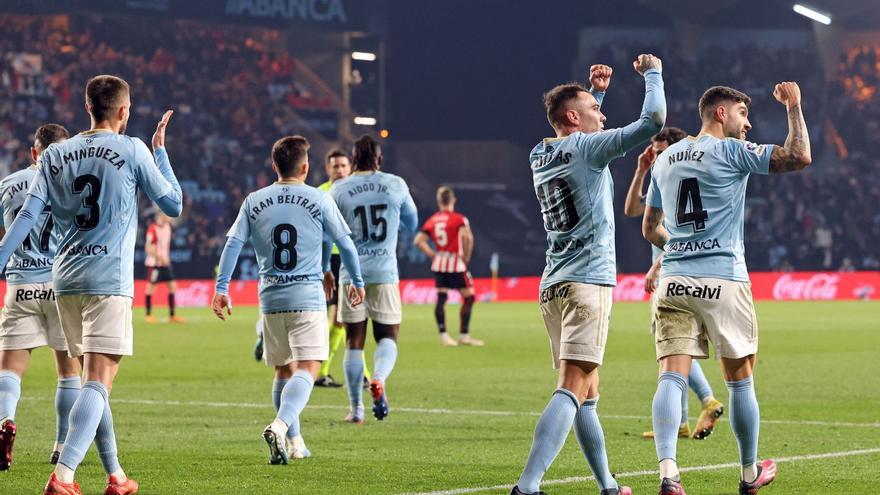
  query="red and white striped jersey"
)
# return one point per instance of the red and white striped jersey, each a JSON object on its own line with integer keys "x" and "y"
{"x": 159, "y": 236}
{"x": 446, "y": 229}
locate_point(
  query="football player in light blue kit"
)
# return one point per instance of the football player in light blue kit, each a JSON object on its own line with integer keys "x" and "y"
{"x": 575, "y": 192}
{"x": 375, "y": 205}
{"x": 91, "y": 181}
{"x": 288, "y": 223}
{"x": 634, "y": 206}
{"x": 29, "y": 319}
{"x": 694, "y": 212}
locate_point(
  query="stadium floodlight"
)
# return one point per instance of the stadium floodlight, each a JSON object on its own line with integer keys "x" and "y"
{"x": 365, "y": 56}
{"x": 365, "y": 120}
{"x": 812, "y": 14}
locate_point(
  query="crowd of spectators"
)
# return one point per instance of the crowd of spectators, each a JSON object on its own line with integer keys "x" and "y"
{"x": 234, "y": 89}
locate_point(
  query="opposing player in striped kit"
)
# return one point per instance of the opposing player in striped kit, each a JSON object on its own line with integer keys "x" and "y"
{"x": 453, "y": 246}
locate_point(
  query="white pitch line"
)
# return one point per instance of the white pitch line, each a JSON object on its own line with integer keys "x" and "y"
{"x": 462, "y": 412}
{"x": 635, "y": 474}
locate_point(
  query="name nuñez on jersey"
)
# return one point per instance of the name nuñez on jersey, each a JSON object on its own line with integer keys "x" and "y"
{"x": 90, "y": 152}
{"x": 34, "y": 294}
{"x": 368, "y": 187}
{"x": 87, "y": 250}
{"x": 686, "y": 246}
{"x": 704, "y": 292}
{"x": 688, "y": 155}
{"x": 289, "y": 199}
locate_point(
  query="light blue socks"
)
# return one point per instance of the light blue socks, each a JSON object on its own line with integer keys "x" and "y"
{"x": 666, "y": 413}
{"x": 384, "y": 358}
{"x": 85, "y": 415}
{"x": 745, "y": 418}
{"x": 10, "y": 392}
{"x": 65, "y": 396}
{"x": 591, "y": 438}
{"x": 550, "y": 434}
{"x": 294, "y": 398}
{"x": 353, "y": 363}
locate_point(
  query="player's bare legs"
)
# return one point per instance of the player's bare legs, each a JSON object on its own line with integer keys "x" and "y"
{"x": 383, "y": 363}
{"x": 467, "y": 305}
{"x": 353, "y": 364}
{"x": 13, "y": 364}
{"x": 283, "y": 435}
{"x": 69, "y": 370}
{"x": 574, "y": 401}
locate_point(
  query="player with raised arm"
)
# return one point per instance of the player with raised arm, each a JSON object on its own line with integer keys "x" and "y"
{"x": 634, "y": 207}
{"x": 375, "y": 205}
{"x": 575, "y": 192}
{"x": 704, "y": 294}
{"x": 290, "y": 224}
{"x": 158, "y": 262}
{"x": 91, "y": 180}
{"x": 29, "y": 319}
{"x": 454, "y": 242}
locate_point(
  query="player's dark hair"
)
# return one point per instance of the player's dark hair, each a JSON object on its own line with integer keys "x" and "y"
{"x": 104, "y": 94}
{"x": 366, "y": 154}
{"x": 671, "y": 135}
{"x": 48, "y": 134}
{"x": 288, "y": 153}
{"x": 445, "y": 196}
{"x": 555, "y": 99}
{"x": 336, "y": 153}
{"x": 717, "y": 95}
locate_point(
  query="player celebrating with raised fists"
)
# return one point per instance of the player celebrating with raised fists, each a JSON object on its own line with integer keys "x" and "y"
{"x": 290, "y": 224}
{"x": 91, "y": 180}
{"x": 704, "y": 294}
{"x": 375, "y": 204}
{"x": 575, "y": 191}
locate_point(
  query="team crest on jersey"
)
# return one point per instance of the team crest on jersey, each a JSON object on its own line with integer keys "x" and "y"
{"x": 549, "y": 148}
{"x": 750, "y": 146}
{"x": 90, "y": 140}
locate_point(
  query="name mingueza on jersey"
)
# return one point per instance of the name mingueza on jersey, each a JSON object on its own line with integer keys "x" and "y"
{"x": 88, "y": 152}
{"x": 14, "y": 189}
{"x": 367, "y": 187}
{"x": 704, "y": 292}
{"x": 86, "y": 250}
{"x": 688, "y": 246}
{"x": 34, "y": 294}
{"x": 688, "y": 155}
{"x": 313, "y": 208}
{"x": 287, "y": 279}
{"x": 28, "y": 264}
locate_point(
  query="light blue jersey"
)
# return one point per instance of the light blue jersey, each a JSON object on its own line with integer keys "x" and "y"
{"x": 576, "y": 192}
{"x": 375, "y": 205}
{"x": 91, "y": 181}
{"x": 287, "y": 224}
{"x": 30, "y": 263}
{"x": 700, "y": 183}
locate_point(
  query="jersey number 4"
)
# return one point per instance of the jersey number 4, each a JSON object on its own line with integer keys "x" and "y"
{"x": 689, "y": 194}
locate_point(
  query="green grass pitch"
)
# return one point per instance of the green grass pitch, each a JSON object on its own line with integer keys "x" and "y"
{"x": 190, "y": 407}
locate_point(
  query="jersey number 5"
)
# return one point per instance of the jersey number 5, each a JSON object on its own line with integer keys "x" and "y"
{"x": 689, "y": 194}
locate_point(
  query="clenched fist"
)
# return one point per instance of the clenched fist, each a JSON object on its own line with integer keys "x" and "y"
{"x": 787, "y": 93}
{"x": 644, "y": 63}
{"x": 600, "y": 77}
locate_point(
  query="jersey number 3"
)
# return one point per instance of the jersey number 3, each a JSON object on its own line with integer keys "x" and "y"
{"x": 92, "y": 184}
{"x": 689, "y": 194}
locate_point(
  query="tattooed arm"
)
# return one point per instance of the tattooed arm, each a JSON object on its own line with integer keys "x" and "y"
{"x": 652, "y": 226}
{"x": 795, "y": 154}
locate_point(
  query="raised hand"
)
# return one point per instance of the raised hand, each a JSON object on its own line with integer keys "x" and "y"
{"x": 221, "y": 302}
{"x": 787, "y": 93}
{"x": 646, "y": 159}
{"x": 600, "y": 77}
{"x": 159, "y": 135}
{"x": 644, "y": 63}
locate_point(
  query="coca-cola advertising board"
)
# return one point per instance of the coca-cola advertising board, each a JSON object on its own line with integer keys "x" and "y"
{"x": 766, "y": 286}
